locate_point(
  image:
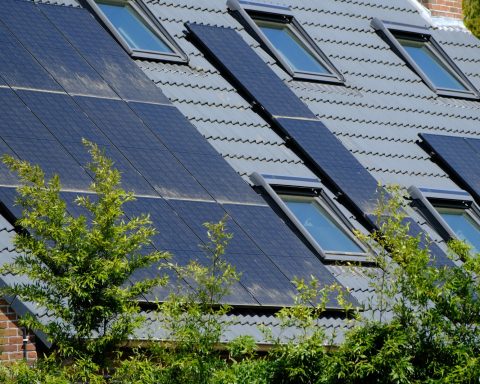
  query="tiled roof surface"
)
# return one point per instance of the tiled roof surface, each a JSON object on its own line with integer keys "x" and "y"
{"x": 377, "y": 114}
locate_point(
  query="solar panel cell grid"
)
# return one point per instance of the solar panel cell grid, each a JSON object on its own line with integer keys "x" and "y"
{"x": 172, "y": 128}
{"x": 17, "y": 120}
{"x": 165, "y": 173}
{"x": 197, "y": 213}
{"x": 119, "y": 123}
{"x": 218, "y": 178}
{"x": 63, "y": 117}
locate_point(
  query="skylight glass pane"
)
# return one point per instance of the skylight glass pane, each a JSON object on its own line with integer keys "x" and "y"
{"x": 294, "y": 51}
{"x": 132, "y": 27}
{"x": 316, "y": 220}
{"x": 440, "y": 75}
{"x": 463, "y": 225}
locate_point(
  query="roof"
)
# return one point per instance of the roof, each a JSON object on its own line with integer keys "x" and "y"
{"x": 377, "y": 115}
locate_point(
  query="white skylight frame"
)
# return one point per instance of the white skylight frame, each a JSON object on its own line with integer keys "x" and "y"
{"x": 388, "y": 30}
{"x": 276, "y": 185}
{"x": 427, "y": 199}
{"x": 277, "y": 13}
{"x": 177, "y": 55}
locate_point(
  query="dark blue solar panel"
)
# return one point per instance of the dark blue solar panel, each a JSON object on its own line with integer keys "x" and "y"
{"x": 165, "y": 173}
{"x": 249, "y": 71}
{"x": 6, "y": 177}
{"x": 118, "y": 122}
{"x": 262, "y": 278}
{"x": 218, "y": 178}
{"x": 17, "y": 120}
{"x": 62, "y": 116}
{"x": 79, "y": 26}
{"x": 132, "y": 180}
{"x": 52, "y": 158}
{"x": 267, "y": 230}
{"x": 196, "y": 213}
{"x": 8, "y": 197}
{"x": 334, "y": 160}
{"x": 19, "y": 68}
{"x": 104, "y": 54}
{"x": 173, "y": 129}
{"x": 173, "y": 234}
{"x": 73, "y": 73}
{"x": 475, "y": 144}
{"x": 458, "y": 158}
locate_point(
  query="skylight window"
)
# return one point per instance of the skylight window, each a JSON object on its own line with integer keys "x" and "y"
{"x": 453, "y": 214}
{"x": 315, "y": 215}
{"x": 463, "y": 223}
{"x": 276, "y": 28}
{"x": 321, "y": 225}
{"x": 417, "y": 47}
{"x": 137, "y": 30}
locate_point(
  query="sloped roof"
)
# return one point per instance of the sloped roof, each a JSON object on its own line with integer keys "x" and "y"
{"x": 377, "y": 114}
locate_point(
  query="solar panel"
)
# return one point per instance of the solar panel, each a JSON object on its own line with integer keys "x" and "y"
{"x": 196, "y": 213}
{"x": 118, "y": 122}
{"x": 218, "y": 178}
{"x": 474, "y": 143}
{"x": 249, "y": 71}
{"x": 165, "y": 173}
{"x": 18, "y": 68}
{"x": 172, "y": 233}
{"x": 63, "y": 117}
{"x": 8, "y": 197}
{"x": 458, "y": 157}
{"x": 6, "y": 177}
{"x": 51, "y": 49}
{"x": 104, "y": 54}
{"x": 172, "y": 128}
{"x": 52, "y": 158}
{"x": 17, "y": 120}
{"x": 132, "y": 180}
{"x": 334, "y": 160}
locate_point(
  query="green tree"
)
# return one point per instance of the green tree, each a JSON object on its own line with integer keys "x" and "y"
{"x": 471, "y": 14}
{"x": 79, "y": 268}
{"x": 429, "y": 331}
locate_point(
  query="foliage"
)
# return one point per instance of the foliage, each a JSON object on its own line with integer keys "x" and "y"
{"x": 433, "y": 334}
{"x": 79, "y": 267}
{"x": 471, "y": 13}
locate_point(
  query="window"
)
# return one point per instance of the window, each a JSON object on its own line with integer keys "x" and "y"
{"x": 463, "y": 223}
{"x": 417, "y": 47}
{"x": 315, "y": 216}
{"x": 137, "y": 30}
{"x": 277, "y": 30}
{"x": 453, "y": 214}
{"x": 320, "y": 224}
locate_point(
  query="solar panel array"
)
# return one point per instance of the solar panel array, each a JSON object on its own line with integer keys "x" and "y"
{"x": 63, "y": 78}
{"x": 250, "y": 74}
{"x": 459, "y": 156}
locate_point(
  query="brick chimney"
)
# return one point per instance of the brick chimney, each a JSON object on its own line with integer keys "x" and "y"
{"x": 444, "y": 8}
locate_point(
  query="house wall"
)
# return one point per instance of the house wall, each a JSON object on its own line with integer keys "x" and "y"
{"x": 445, "y": 8}
{"x": 11, "y": 339}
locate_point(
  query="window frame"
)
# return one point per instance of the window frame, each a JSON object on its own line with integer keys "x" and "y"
{"x": 427, "y": 199}
{"x": 247, "y": 10}
{"x": 390, "y": 31}
{"x": 177, "y": 55}
{"x": 276, "y": 186}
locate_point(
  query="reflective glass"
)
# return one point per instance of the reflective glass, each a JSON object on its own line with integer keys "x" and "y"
{"x": 293, "y": 50}
{"x": 440, "y": 75}
{"x": 316, "y": 220}
{"x": 132, "y": 27}
{"x": 463, "y": 225}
